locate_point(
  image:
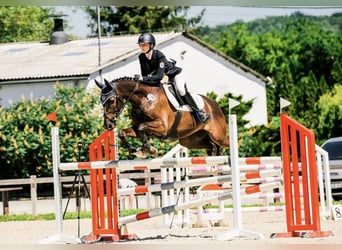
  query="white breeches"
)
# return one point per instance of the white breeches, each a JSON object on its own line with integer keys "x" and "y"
{"x": 180, "y": 84}
{"x": 182, "y": 90}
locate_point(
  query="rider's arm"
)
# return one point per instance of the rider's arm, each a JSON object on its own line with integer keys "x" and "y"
{"x": 160, "y": 62}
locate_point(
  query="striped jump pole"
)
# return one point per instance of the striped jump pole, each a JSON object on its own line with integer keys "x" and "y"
{"x": 195, "y": 203}
{"x": 259, "y": 160}
{"x": 262, "y": 209}
{"x": 124, "y": 165}
{"x": 227, "y": 168}
{"x": 254, "y": 167}
{"x": 263, "y": 180}
{"x": 196, "y": 182}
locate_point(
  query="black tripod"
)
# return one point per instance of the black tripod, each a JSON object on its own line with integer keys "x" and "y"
{"x": 77, "y": 179}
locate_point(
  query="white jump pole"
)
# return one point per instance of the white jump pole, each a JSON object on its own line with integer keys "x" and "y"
{"x": 59, "y": 237}
{"x": 237, "y": 231}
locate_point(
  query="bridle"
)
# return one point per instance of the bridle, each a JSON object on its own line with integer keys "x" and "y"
{"x": 117, "y": 111}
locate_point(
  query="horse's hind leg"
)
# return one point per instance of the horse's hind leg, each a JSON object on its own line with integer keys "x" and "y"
{"x": 201, "y": 140}
{"x": 215, "y": 150}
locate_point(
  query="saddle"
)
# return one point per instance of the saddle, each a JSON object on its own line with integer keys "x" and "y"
{"x": 176, "y": 101}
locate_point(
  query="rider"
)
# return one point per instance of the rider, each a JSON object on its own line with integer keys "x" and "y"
{"x": 154, "y": 66}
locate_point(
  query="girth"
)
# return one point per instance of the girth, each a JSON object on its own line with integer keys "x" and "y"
{"x": 172, "y": 133}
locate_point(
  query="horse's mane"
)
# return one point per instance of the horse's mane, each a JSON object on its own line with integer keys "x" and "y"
{"x": 125, "y": 78}
{"x": 108, "y": 88}
{"x": 128, "y": 78}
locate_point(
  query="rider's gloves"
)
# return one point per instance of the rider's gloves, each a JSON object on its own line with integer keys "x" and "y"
{"x": 165, "y": 79}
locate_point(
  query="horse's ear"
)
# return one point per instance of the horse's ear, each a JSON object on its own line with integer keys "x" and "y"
{"x": 106, "y": 82}
{"x": 100, "y": 85}
{"x": 109, "y": 84}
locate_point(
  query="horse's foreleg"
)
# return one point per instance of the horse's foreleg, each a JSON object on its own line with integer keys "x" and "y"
{"x": 155, "y": 128}
{"x": 123, "y": 137}
{"x": 147, "y": 146}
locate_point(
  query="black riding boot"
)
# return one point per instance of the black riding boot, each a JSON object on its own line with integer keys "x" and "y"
{"x": 201, "y": 114}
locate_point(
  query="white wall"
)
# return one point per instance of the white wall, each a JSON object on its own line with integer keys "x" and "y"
{"x": 14, "y": 92}
{"x": 204, "y": 74}
{"x": 36, "y": 90}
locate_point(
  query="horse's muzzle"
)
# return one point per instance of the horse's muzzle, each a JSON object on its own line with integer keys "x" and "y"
{"x": 109, "y": 127}
{"x": 109, "y": 124}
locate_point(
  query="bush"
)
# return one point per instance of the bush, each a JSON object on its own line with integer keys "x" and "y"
{"x": 25, "y": 133}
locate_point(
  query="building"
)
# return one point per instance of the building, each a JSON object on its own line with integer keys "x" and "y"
{"x": 32, "y": 69}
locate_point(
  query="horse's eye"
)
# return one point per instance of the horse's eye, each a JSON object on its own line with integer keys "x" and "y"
{"x": 111, "y": 101}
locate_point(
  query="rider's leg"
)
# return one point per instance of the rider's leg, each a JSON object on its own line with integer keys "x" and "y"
{"x": 187, "y": 97}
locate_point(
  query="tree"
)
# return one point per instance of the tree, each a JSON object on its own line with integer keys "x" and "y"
{"x": 24, "y": 23}
{"x": 307, "y": 96}
{"x": 330, "y": 118}
{"x": 262, "y": 140}
{"x": 124, "y": 19}
{"x": 336, "y": 73}
{"x": 285, "y": 88}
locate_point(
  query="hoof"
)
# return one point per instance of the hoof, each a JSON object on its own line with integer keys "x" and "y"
{"x": 200, "y": 224}
{"x": 153, "y": 151}
{"x": 221, "y": 223}
{"x": 140, "y": 153}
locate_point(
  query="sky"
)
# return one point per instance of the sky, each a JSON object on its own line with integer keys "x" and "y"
{"x": 214, "y": 15}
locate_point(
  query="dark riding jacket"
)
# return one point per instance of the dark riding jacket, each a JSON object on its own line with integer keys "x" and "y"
{"x": 153, "y": 70}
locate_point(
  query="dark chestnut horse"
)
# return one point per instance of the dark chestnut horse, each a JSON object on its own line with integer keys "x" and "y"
{"x": 153, "y": 116}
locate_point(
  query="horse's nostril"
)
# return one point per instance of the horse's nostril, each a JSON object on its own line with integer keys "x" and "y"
{"x": 108, "y": 126}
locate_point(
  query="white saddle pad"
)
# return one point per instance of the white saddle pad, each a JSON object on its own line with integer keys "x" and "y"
{"x": 198, "y": 99}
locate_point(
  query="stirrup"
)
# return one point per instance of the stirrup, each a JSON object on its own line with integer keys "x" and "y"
{"x": 202, "y": 116}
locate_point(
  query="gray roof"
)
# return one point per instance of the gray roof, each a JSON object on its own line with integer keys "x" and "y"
{"x": 35, "y": 60}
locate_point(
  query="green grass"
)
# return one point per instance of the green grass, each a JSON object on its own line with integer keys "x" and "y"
{"x": 87, "y": 215}
{"x": 51, "y": 216}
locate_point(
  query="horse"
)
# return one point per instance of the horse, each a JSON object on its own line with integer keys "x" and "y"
{"x": 153, "y": 116}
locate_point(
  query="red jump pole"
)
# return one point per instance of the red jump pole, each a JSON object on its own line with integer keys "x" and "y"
{"x": 298, "y": 145}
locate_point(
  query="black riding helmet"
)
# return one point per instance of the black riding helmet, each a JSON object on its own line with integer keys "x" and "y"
{"x": 147, "y": 38}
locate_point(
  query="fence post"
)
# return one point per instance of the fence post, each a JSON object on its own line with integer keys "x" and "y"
{"x": 33, "y": 182}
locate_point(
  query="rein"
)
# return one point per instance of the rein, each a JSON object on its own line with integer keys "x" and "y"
{"x": 129, "y": 97}
{"x": 118, "y": 112}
